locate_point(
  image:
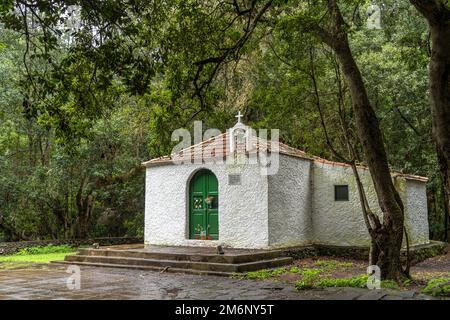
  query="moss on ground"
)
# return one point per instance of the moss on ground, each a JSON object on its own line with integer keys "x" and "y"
{"x": 261, "y": 274}
{"x": 35, "y": 255}
{"x": 313, "y": 280}
{"x": 34, "y": 258}
{"x": 439, "y": 287}
{"x": 318, "y": 275}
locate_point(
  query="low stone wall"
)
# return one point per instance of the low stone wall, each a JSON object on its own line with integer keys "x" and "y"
{"x": 422, "y": 252}
{"x": 418, "y": 253}
{"x": 12, "y": 247}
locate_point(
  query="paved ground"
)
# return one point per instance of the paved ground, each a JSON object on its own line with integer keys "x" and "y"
{"x": 50, "y": 282}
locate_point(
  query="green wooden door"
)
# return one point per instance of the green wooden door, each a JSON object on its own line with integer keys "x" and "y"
{"x": 204, "y": 206}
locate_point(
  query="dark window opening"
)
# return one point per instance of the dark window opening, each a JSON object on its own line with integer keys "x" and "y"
{"x": 234, "y": 179}
{"x": 341, "y": 193}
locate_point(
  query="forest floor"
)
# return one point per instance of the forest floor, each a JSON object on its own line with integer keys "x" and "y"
{"x": 38, "y": 282}
{"x": 323, "y": 272}
{"x": 47, "y": 281}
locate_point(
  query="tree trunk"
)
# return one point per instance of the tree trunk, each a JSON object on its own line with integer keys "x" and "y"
{"x": 440, "y": 100}
{"x": 446, "y": 201}
{"x": 389, "y": 238}
{"x": 386, "y": 238}
{"x": 438, "y": 16}
{"x": 85, "y": 208}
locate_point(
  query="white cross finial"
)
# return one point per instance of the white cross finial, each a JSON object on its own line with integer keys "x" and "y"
{"x": 239, "y": 116}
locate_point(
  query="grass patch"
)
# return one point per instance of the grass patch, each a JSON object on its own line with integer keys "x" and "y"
{"x": 38, "y": 254}
{"x": 45, "y": 250}
{"x": 319, "y": 275}
{"x": 391, "y": 284}
{"x": 35, "y": 258}
{"x": 320, "y": 267}
{"x": 267, "y": 273}
{"x": 261, "y": 274}
{"x": 333, "y": 265}
{"x": 309, "y": 280}
{"x": 315, "y": 281}
{"x": 439, "y": 287}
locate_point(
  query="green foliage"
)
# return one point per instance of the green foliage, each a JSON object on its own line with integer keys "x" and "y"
{"x": 80, "y": 109}
{"x": 42, "y": 254}
{"x": 309, "y": 279}
{"x": 45, "y": 250}
{"x": 294, "y": 269}
{"x": 317, "y": 277}
{"x": 313, "y": 280}
{"x": 439, "y": 287}
{"x": 261, "y": 274}
{"x": 309, "y": 275}
{"x": 333, "y": 265}
{"x": 42, "y": 177}
{"x": 354, "y": 282}
{"x": 17, "y": 260}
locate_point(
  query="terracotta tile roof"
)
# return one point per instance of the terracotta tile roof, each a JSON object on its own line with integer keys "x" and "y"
{"x": 360, "y": 166}
{"x": 218, "y": 147}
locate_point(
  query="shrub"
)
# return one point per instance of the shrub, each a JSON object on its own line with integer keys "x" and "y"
{"x": 439, "y": 287}
{"x": 44, "y": 250}
{"x": 261, "y": 274}
{"x": 314, "y": 281}
{"x": 332, "y": 265}
{"x": 391, "y": 284}
{"x": 309, "y": 278}
{"x": 294, "y": 270}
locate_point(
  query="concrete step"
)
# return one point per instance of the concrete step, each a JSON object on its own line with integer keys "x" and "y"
{"x": 147, "y": 268}
{"x": 228, "y": 257}
{"x": 181, "y": 264}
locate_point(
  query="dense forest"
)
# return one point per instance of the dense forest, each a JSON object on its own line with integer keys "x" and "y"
{"x": 90, "y": 89}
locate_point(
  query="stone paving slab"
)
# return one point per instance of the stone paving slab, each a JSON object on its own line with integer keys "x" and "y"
{"x": 49, "y": 282}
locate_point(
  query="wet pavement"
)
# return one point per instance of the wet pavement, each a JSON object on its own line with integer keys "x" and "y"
{"x": 50, "y": 282}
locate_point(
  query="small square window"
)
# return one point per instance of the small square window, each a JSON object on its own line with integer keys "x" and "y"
{"x": 234, "y": 179}
{"x": 341, "y": 193}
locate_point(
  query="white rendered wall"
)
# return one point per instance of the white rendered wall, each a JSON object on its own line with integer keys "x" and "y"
{"x": 243, "y": 209}
{"x": 290, "y": 203}
{"x": 416, "y": 212}
{"x": 294, "y": 207}
{"x": 340, "y": 223}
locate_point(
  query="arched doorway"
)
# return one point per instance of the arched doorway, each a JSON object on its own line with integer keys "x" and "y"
{"x": 204, "y": 206}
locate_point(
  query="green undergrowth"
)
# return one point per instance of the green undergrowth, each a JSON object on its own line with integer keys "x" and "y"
{"x": 321, "y": 267}
{"x": 314, "y": 280}
{"x": 45, "y": 250}
{"x": 333, "y": 265}
{"x": 439, "y": 287}
{"x": 319, "y": 275}
{"x": 36, "y": 255}
{"x": 261, "y": 274}
{"x": 34, "y": 258}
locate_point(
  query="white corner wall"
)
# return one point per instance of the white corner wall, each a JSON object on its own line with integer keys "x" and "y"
{"x": 290, "y": 203}
{"x": 340, "y": 223}
{"x": 294, "y": 207}
{"x": 243, "y": 209}
{"x": 416, "y": 212}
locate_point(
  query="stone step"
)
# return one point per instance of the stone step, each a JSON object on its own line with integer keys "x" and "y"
{"x": 183, "y": 264}
{"x": 228, "y": 257}
{"x": 147, "y": 268}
